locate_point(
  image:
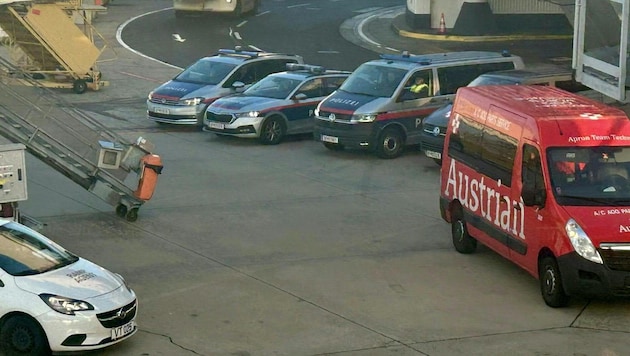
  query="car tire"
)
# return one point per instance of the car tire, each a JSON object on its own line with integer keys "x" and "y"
{"x": 550, "y": 280}
{"x": 21, "y": 335}
{"x": 390, "y": 143}
{"x": 462, "y": 241}
{"x": 121, "y": 210}
{"x": 333, "y": 146}
{"x": 272, "y": 131}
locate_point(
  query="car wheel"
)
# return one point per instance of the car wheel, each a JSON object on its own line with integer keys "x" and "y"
{"x": 390, "y": 143}
{"x": 79, "y": 86}
{"x": 462, "y": 241}
{"x": 238, "y": 9}
{"x": 333, "y": 146}
{"x": 21, "y": 335}
{"x": 551, "y": 283}
{"x": 272, "y": 131}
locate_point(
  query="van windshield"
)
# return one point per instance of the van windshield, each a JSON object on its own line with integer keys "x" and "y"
{"x": 374, "y": 80}
{"x": 583, "y": 176}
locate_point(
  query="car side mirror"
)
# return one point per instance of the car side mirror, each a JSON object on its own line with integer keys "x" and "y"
{"x": 299, "y": 96}
{"x": 1, "y": 283}
{"x": 238, "y": 85}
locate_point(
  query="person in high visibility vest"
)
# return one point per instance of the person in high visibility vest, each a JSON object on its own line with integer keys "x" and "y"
{"x": 419, "y": 87}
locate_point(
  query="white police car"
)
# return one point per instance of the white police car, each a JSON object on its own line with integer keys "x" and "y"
{"x": 52, "y": 300}
{"x": 281, "y": 104}
{"x": 183, "y": 100}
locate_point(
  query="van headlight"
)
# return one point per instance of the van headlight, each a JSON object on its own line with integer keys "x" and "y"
{"x": 65, "y": 305}
{"x": 191, "y": 101}
{"x": 364, "y": 118}
{"x": 581, "y": 243}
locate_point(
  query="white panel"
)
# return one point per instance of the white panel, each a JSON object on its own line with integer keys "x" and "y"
{"x": 524, "y": 7}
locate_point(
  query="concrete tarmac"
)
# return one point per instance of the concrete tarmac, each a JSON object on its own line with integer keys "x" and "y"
{"x": 295, "y": 250}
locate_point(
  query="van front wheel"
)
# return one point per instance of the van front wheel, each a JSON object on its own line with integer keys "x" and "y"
{"x": 551, "y": 283}
{"x": 390, "y": 143}
{"x": 462, "y": 241}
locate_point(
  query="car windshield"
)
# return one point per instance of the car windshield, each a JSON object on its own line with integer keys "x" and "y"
{"x": 374, "y": 80}
{"x": 590, "y": 175}
{"x": 274, "y": 86}
{"x": 24, "y": 252}
{"x": 205, "y": 71}
{"x": 490, "y": 80}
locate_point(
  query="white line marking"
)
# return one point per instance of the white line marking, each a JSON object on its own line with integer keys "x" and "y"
{"x": 237, "y": 36}
{"x": 122, "y": 43}
{"x": 263, "y": 13}
{"x": 369, "y": 9}
{"x": 242, "y": 24}
{"x": 362, "y": 34}
{"x": 298, "y": 5}
{"x": 255, "y": 48}
{"x": 328, "y": 52}
{"x": 392, "y": 49}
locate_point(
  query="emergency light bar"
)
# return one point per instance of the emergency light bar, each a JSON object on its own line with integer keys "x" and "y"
{"x": 406, "y": 57}
{"x": 238, "y": 52}
{"x": 307, "y": 67}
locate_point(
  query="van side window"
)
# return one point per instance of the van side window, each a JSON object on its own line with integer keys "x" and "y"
{"x": 488, "y": 151}
{"x": 452, "y": 78}
{"x": 418, "y": 86}
{"x": 531, "y": 170}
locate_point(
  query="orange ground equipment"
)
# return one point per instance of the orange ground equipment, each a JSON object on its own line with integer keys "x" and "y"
{"x": 151, "y": 167}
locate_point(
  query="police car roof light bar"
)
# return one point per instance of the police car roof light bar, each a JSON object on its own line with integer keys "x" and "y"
{"x": 237, "y": 51}
{"x": 307, "y": 67}
{"x": 406, "y": 57}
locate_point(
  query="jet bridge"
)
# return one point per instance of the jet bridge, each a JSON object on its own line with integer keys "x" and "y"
{"x": 77, "y": 145}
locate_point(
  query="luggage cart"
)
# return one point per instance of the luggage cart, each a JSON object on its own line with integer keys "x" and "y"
{"x": 59, "y": 54}
{"x": 77, "y": 145}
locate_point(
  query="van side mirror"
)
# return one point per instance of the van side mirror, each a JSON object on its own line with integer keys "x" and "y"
{"x": 534, "y": 197}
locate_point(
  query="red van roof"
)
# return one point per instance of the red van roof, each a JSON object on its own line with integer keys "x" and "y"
{"x": 562, "y": 118}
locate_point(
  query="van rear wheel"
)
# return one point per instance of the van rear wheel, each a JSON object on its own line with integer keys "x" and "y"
{"x": 551, "y": 283}
{"x": 462, "y": 241}
{"x": 390, "y": 143}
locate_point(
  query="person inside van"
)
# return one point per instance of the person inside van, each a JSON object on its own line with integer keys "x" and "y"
{"x": 612, "y": 177}
{"x": 420, "y": 88}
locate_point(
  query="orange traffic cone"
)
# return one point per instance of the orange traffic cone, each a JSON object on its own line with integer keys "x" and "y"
{"x": 442, "y": 29}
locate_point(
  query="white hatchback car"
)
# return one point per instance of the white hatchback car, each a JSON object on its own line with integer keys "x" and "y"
{"x": 53, "y": 300}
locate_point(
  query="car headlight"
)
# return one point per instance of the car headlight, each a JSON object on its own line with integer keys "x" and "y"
{"x": 316, "y": 112}
{"x": 581, "y": 242}
{"x": 65, "y": 305}
{"x": 191, "y": 101}
{"x": 364, "y": 117}
{"x": 247, "y": 114}
{"x": 150, "y": 96}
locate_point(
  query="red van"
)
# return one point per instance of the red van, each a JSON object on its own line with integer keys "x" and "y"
{"x": 541, "y": 176}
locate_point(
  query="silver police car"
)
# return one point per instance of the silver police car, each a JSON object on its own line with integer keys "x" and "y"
{"x": 280, "y": 104}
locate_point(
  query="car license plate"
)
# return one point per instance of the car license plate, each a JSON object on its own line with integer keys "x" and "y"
{"x": 123, "y": 330}
{"x": 216, "y": 125}
{"x": 331, "y": 139}
{"x": 161, "y": 111}
{"x": 432, "y": 154}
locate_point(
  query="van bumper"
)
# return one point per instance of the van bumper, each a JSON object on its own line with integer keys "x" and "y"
{"x": 582, "y": 277}
{"x": 352, "y": 136}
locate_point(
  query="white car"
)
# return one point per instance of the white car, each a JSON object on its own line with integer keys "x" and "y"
{"x": 53, "y": 300}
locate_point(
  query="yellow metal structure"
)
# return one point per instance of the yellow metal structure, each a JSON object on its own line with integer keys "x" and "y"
{"x": 60, "y": 54}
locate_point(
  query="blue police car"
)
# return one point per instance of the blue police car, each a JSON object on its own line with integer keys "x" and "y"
{"x": 280, "y": 104}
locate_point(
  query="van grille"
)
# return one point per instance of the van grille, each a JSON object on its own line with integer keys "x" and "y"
{"x": 338, "y": 117}
{"x": 616, "y": 259}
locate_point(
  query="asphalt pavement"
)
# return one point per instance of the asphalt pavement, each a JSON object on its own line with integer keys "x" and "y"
{"x": 293, "y": 250}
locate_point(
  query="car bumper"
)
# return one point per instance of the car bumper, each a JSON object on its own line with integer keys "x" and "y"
{"x": 178, "y": 115}
{"x": 95, "y": 329}
{"x": 354, "y": 136}
{"x": 432, "y": 145}
{"x": 246, "y": 128}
